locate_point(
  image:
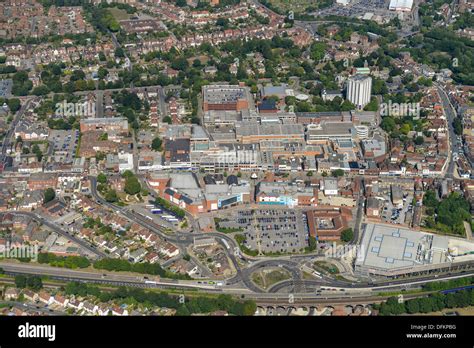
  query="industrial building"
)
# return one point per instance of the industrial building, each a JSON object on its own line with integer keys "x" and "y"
{"x": 387, "y": 250}
{"x": 401, "y": 5}
{"x": 248, "y": 133}
{"x": 333, "y": 131}
{"x": 226, "y": 97}
{"x": 282, "y": 193}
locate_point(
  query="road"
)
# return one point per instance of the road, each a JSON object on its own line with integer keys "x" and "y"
{"x": 399, "y": 284}
{"x": 243, "y": 280}
{"x": 118, "y": 45}
{"x": 181, "y": 239}
{"x": 450, "y": 116}
{"x": 8, "y": 141}
{"x": 162, "y": 101}
{"x": 56, "y": 228}
{"x": 363, "y": 294}
{"x": 244, "y": 275}
{"x": 184, "y": 239}
{"x": 31, "y": 307}
{"x": 100, "y": 97}
{"x": 98, "y": 276}
{"x": 359, "y": 215}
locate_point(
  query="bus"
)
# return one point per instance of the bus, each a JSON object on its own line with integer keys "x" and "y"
{"x": 155, "y": 211}
{"x": 225, "y": 243}
{"x": 149, "y": 206}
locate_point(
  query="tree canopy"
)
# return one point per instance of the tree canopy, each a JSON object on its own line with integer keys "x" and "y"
{"x": 132, "y": 185}
{"x": 448, "y": 215}
{"x": 49, "y": 195}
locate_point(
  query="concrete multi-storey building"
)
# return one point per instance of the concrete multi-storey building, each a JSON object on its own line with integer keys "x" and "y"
{"x": 225, "y": 97}
{"x": 118, "y": 124}
{"x": 282, "y": 193}
{"x": 359, "y": 90}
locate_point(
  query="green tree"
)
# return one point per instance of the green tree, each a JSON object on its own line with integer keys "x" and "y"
{"x": 102, "y": 178}
{"x": 14, "y": 104}
{"x": 222, "y": 22}
{"x": 182, "y": 311}
{"x": 347, "y": 235}
{"x": 119, "y": 52}
{"x": 412, "y": 306}
{"x": 37, "y": 151}
{"x": 430, "y": 199}
{"x": 32, "y": 282}
{"x": 180, "y": 64}
{"x": 20, "y": 281}
{"x": 111, "y": 196}
{"x": 312, "y": 243}
{"x": 49, "y": 195}
{"x": 127, "y": 174}
{"x": 132, "y": 185}
{"x": 249, "y": 308}
{"x": 156, "y": 144}
{"x": 457, "y": 125}
{"x": 40, "y": 90}
{"x": 426, "y": 305}
{"x": 318, "y": 50}
{"x": 388, "y": 124}
{"x": 102, "y": 72}
{"x": 419, "y": 140}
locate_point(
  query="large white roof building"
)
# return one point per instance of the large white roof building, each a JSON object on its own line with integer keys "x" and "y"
{"x": 401, "y": 5}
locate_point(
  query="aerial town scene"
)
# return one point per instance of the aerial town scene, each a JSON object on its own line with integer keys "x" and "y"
{"x": 236, "y": 157}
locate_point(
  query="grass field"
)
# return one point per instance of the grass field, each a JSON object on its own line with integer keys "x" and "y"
{"x": 267, "y": 277}
{"x": 119, "y": 14}
{"x": 325, "y": 267}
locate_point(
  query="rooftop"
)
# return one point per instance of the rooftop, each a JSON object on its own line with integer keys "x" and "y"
{"x": 246, "y": 129}
{"x": 219, "y": 94}
{"x": 330, "y": 129}
{"x": 104, "y": 120}
{"x": 390, "y": 248}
